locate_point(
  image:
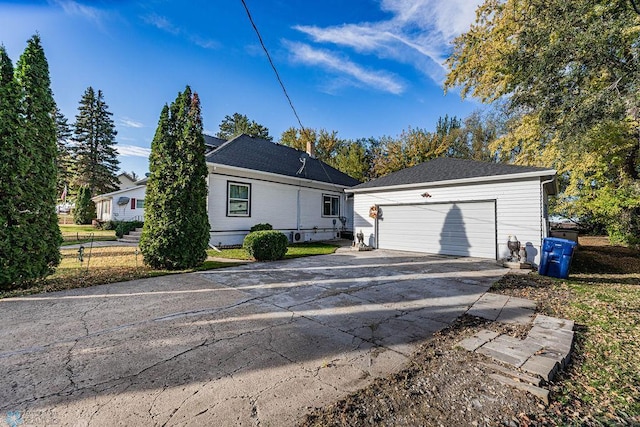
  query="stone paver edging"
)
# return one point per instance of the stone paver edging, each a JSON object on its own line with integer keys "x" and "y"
{"x": 545, "y": 350}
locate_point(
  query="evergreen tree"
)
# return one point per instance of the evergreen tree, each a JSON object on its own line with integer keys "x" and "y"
{"x": 12, "y": 163}
{"x": 353, "y": 160}
{"x": 238, "y": 124}
{"x": 31, "y": 236}
{"x": 94, "y": 145}
{"x": 85, "y": 210}
{"x": 64, "y": 160}
{"x": 176, "y": 228}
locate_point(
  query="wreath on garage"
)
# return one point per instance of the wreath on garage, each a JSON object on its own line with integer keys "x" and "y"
{"x": 373, "y": 211}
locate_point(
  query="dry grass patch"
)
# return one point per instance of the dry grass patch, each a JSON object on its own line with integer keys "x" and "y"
{"x": 100, "y": 266}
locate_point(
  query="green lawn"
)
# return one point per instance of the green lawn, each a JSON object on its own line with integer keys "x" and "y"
{"x": 72, "y": 234}
{"x": 602, "y": 295}
{"x": 605, "y": 303}
{"x": 295, "y": 250}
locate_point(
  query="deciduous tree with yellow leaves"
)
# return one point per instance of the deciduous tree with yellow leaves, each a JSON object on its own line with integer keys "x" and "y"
{"x": 570, "y": 74}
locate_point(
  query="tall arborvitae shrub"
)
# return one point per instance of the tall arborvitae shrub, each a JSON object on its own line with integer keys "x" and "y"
{"x": 85, "y": 210}
{"x": 176, "y": 227}
{"x": 31, "y": 237}
{"x": 12, "y": 163}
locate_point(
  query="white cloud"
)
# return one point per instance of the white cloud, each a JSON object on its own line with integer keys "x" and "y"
{"x": 164, "y": 24}
{"x": 129, "y": 123}
{"x": 204, "y": 43}
{"x": 418, "y": 33}
{"x": 161, "y": 23}
{"x": 71, "y": 7}
{"x": 377, "y": 79}
{"x": 446, "y": 18}
{"x": 133, "y": 151}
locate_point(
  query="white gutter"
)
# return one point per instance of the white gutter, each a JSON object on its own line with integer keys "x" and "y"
{"x": 454, "y": 181}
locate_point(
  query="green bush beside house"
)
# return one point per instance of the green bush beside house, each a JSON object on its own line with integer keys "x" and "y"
{"x": 266, "y": 245}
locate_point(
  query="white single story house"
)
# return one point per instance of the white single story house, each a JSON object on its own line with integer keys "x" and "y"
{"x": 456, "y": 207}
{"x": 126, "y": 204}
{"x": 252, "y": 181}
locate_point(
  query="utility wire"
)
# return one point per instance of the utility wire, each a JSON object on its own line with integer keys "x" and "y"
{"x": 272, "y": 64}
{"x": 302, "y": 128}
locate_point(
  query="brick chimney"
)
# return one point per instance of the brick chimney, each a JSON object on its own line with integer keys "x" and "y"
{"x": 311, "y": 149}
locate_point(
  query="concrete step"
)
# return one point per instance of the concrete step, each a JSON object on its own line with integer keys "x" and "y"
{"x": 132, "y": 237}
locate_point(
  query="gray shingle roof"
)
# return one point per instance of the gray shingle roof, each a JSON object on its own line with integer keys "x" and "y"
{"x": 213, "y": 142}
{"x": 448, "y": 169}
{"x": 261, "y": 155}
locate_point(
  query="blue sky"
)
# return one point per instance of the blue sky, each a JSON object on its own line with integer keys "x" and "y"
{"x": 360, "y": 67}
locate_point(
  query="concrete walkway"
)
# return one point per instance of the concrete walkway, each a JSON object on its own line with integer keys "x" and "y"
{"x": 258, "y": 344}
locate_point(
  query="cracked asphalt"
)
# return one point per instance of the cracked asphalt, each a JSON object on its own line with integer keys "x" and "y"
{"x": 260, "y": 344}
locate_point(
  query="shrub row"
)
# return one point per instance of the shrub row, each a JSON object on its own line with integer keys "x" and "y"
{"x": 122, "y": 227}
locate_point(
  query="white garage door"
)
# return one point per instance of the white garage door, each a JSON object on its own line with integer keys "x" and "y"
{"x": 464, "y": 229}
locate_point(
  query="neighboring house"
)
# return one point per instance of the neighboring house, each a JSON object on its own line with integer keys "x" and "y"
{"x": 122, "y": 205}
{"x": 456, "y": 207}
{"x": 125, "y": 181}
{"x": 252, "y": 181}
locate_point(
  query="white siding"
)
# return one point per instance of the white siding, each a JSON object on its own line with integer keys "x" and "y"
{"x": 518, "y": 208}
{"x": 124, "y": 212}
{"x": 290, "y": 205}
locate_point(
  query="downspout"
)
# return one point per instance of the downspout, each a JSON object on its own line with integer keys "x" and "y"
{"x": 298, "y": 211}
{"x": 543, "y": 221}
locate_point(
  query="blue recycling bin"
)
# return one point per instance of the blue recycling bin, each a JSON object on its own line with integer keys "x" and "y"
{"x": 556, "y": 256}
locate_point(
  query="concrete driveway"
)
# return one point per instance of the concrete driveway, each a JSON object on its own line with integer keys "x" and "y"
{"x": 258, "y": 344}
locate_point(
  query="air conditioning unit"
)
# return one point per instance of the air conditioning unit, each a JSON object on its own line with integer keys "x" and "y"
{"x": 297, "y": 236}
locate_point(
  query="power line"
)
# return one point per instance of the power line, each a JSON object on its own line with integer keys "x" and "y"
{"x": 272, "y": 64}
{"x": 302, "y": 128}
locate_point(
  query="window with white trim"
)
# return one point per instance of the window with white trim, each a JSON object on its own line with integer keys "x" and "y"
{"x": 330, "y": 205}
{"x": 139, "y": 203}
{"x": 238, "y": 199}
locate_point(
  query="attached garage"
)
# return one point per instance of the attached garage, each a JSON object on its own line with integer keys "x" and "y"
{"x": 464, "y": 229}
{"x": 456, "y": 207}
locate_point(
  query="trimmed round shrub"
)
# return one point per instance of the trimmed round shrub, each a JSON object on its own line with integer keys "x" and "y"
{"x": 266, "y": 245}
{"x": 261, "y": 227}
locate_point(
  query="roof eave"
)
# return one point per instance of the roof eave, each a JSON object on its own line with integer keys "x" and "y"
{"x": 222, "y": 165}
{"x": 474, "y": 180}
{"x": 106, "y": 196}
